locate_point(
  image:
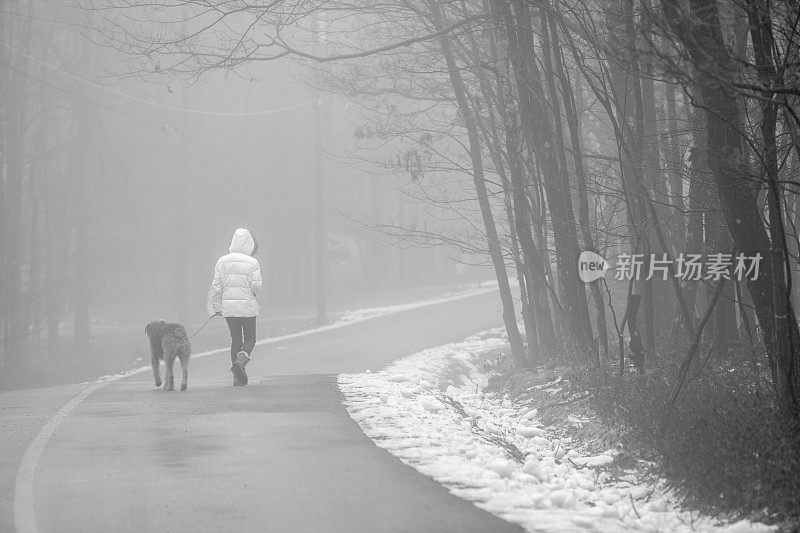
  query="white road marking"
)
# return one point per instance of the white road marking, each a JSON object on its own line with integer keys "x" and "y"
{"x": 24, "y": 515}
{"x": 24, "y": 512}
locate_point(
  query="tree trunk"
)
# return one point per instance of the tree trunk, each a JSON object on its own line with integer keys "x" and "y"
{"x": 627, "y": 97}
{"x": 16, "y": 345}
{"x": 698, "y": 203}
{"x": 558, "y": 137}
{"x": 675, "y": 170}
{"x": 537, "y": 126}
{"x": 495, "y": 252}
{"x": 523, "y": 267}
{"x": 700, "y": 32}
{"x": 580, "y": 175}
{"x": 516, "y": 204}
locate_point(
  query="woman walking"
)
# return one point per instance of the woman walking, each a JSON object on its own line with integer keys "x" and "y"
{"x": 237, "y": 280}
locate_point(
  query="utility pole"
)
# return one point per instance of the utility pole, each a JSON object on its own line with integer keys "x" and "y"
{"x": 320, "y": 232}
{"x": 180, "y": 264}
{"x": 81, "y": 287}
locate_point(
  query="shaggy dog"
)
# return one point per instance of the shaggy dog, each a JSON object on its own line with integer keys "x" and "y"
{"x": 168, "y": 341}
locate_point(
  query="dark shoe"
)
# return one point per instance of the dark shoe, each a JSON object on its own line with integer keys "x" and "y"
{"x": 236, "y": 382}
{"x": 238, "y": 367}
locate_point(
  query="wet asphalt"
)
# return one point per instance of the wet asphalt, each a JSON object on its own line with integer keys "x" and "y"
{"x": 281, "y": 454}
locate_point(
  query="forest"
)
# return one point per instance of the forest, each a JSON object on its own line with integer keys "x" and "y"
{"x": 118, "y": 195}
{"x": 661, "y": 135}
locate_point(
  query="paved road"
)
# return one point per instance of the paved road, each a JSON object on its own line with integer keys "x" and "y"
{"x": 279, "y": 455}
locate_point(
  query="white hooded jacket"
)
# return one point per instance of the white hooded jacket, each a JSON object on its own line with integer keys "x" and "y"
{"x": 237, "y": 279}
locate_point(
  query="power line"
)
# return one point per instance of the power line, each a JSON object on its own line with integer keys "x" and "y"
{"x": 70, "y": 93}
{"x": 42, "y": 19}
{"x": 139, "y": 117}
{"x": 150, "y": 102}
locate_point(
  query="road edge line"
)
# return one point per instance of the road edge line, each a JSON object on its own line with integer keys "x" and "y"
{"x": 24, "y": 513}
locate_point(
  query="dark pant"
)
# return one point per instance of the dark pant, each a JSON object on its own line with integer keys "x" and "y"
{"x": 243, "y": 334}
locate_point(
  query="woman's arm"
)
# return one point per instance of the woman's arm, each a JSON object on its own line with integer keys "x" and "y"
{"x": 255, "y": 279}
{"x": 216, "y": 291}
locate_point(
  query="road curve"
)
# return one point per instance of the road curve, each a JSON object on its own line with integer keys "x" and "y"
{"x": 279, "y": 455}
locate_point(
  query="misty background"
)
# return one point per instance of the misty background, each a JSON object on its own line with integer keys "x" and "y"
{"x": 373, "y": 147}
{"x": 121, "y": 190}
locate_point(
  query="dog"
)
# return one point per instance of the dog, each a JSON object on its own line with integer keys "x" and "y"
{"x": 168, "y": 341}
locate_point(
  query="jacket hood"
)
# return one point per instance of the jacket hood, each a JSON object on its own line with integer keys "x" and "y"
{"x": 242, "y": 242}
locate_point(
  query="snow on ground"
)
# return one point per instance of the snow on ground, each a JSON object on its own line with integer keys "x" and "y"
{"x": 358, "y": 315}
{"x": 429, "y": 410}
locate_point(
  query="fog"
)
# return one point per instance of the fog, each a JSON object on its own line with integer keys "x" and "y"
{"x": 544, "y": 252}
{"x": 123, "y": 186}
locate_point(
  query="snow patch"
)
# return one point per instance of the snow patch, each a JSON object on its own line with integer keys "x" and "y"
{"x": 429, "y": 410}
{"x": 359, "y": 315}
{"x": 597, "y": 460}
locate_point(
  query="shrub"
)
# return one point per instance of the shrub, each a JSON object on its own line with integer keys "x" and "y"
{"x": 724, "y": 447}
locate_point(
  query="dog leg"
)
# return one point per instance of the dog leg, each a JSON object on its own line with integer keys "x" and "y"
{"x": 185, "y": 368}
{"x": 169, "y": 379}
{"x": 154, "y": 362}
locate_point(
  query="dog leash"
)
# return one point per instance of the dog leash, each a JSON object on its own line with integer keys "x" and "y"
{"x": 204, "y": 325}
